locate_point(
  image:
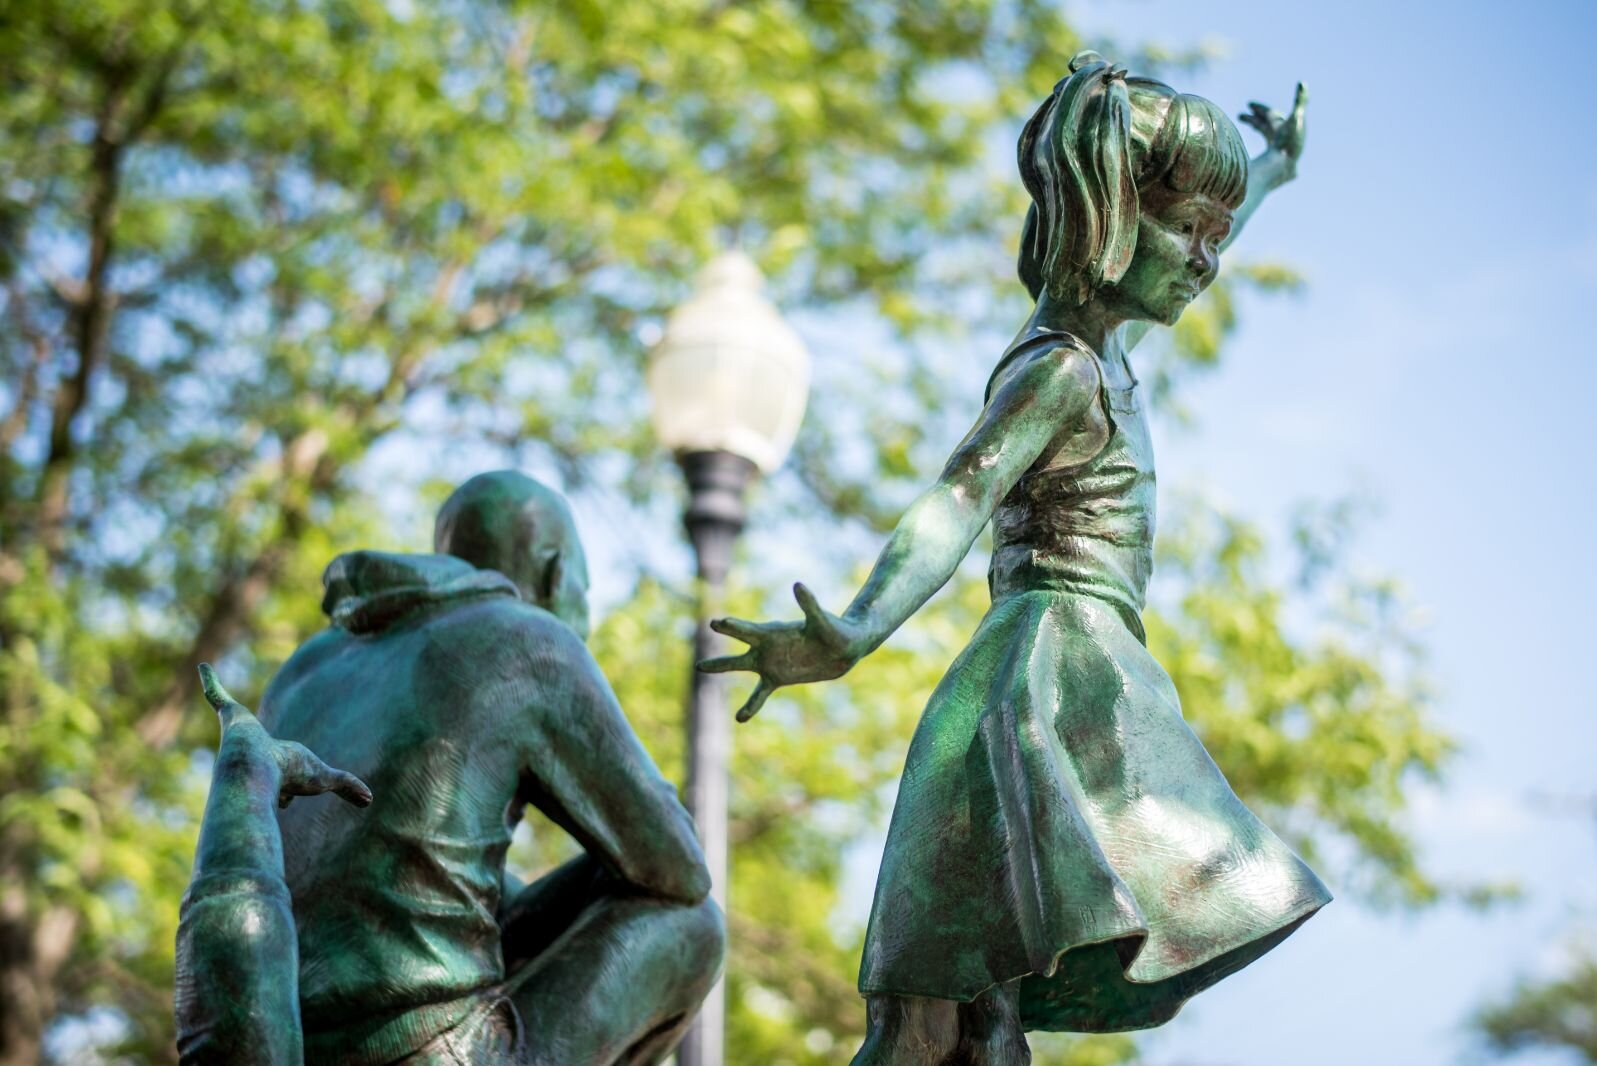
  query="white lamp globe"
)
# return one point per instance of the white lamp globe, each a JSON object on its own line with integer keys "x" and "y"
{"x": 729, "y": 375}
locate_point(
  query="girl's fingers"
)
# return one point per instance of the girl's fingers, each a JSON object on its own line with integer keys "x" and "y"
{"x": 756, "y": 700}
{"x": 723, "y": 663}
{"x": 811, "y": 606}
{"x": 1299, "y": 121}
{"x": 737, "y": 629}
{"x": 1256, "y": 118}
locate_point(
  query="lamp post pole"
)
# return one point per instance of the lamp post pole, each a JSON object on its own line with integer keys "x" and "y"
{"x": 714, "y": 518}
{"x": 728, "y": 382}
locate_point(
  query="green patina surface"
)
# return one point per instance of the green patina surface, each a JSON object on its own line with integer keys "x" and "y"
{"x": 1064, "y": 854}
{"x": 390, "y": 932}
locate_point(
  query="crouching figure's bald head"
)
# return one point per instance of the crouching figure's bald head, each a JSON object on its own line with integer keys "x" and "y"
{"x": 508, "y": 522}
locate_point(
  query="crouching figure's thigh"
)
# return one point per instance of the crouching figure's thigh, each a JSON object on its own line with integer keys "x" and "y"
{"x": 621, "y": 983}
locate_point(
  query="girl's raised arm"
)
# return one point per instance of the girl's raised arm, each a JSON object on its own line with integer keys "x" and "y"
{"x": 1267, "y": 171}
{"x": 1053, "y": 388}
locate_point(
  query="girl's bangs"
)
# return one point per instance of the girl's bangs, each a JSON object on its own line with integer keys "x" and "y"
{"x": 1207, "y": 155}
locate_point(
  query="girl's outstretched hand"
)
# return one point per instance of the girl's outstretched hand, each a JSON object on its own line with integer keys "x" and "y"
{"x": 302, "y": 773}
{"x": 1283, "y": 134}
{"x": 821, "y": 647}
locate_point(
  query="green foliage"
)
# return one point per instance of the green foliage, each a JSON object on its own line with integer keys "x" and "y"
{"x": 1319, "y": 725}
{"x": 244, "y": 247}
{"x": 105, "y": 824}
{"x": 1555, "y": 1013}
{"x": 254, "y": 256}
{"x": 1560, "y": 1013}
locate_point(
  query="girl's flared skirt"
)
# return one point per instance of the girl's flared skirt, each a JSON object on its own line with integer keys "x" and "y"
{"x": 1058, "y": 823}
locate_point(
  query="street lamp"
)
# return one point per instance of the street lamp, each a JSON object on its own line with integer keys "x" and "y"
{"x": 728, "y": 382}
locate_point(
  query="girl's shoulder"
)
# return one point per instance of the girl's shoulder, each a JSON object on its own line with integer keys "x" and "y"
{"x": 1066, "y": 349}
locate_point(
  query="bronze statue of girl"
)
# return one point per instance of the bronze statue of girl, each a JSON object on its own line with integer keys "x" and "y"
{"x": 1064, "y": 855}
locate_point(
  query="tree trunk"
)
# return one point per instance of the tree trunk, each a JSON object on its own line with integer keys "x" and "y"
{"x": 31, "y": 955}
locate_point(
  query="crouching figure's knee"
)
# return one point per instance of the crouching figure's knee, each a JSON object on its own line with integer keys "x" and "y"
{"x": 701, "y": 938}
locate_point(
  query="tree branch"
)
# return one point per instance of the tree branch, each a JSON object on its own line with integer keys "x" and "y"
{"x": 16, "y": 419}
{"x": 90, "y": 302}
{"x": 88, "y": 316}
{"x": 306, "y": 468}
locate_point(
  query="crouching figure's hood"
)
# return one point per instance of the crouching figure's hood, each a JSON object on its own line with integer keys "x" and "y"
{"x": 368, "y": 591}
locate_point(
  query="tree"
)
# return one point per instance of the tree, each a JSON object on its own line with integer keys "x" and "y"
{"x": 252, "y": 250}
{"x": 1555, "y": 1012}
{"x": 1558, "y": 1013}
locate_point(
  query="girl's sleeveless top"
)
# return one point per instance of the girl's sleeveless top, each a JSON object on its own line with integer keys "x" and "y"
{"x": 1081, "y": 520}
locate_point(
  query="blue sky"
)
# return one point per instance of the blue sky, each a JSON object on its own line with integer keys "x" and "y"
{"x": 1440, "y": 361}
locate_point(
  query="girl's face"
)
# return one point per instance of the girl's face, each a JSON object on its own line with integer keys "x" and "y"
{"x": 1177, "y": 255}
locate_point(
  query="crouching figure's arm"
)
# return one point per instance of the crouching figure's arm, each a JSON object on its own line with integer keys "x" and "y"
{"x": 588, "y": 772}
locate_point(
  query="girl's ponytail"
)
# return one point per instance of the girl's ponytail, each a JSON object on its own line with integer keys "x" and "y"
{"x": 1075, "y": 160}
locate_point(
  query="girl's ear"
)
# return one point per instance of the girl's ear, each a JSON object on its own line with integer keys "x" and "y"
{"x": 1075, "y": 160}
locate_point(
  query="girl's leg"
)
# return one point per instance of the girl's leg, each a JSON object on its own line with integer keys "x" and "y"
{"x": 909, "y": 1031}
{"x": 990, "y": 1032}
{"x": 914, "y": 1031}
